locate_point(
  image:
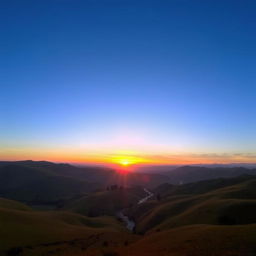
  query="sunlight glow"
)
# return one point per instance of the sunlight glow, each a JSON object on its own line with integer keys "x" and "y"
{"x": 125, "y": 162}
{"x": 127, "y": 159}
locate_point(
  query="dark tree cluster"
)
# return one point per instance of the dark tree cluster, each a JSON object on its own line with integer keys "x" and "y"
{"x": 115, "y": 187}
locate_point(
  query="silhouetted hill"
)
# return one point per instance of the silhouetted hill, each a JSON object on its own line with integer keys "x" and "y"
{"x": 94, "y": 174}
{"x": 199, "y": 187}
{"x": 187, "y": 174}
{"x": 91, "y": 173}
{"x": 41, "y": 182}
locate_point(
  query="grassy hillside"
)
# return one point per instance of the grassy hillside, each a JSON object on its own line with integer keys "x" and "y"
{"x": 106, "y": 202}
{"x": 28, "y": 232}
{"x": 230, "y": 204}
{"x": 197, "y": 240}
{"x": 193, "y": 240}
{"x": 14, "y": 205}
{"x": 209, "y": 217}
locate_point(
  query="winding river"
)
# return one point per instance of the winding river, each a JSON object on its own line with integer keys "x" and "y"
{"x": 130, "y": 224}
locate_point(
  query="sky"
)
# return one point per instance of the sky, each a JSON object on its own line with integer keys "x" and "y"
{"x": 162, "y": 81}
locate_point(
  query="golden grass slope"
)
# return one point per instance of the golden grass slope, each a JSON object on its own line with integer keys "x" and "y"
{"x": 34, "y": 232}
{"x": 232, "y": 205}
{"x": 197, "y": 240}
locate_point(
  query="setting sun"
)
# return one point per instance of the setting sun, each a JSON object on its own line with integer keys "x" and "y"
{"x": 126, "y": 159}
{"x": 125, "y": 162}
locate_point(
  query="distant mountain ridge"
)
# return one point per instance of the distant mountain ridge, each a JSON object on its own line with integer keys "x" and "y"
{"x": 46, "y": 182}
{"x": 42, "y": 181}
{"x": 38, "y": 184}
{"x": 187, "y": 174}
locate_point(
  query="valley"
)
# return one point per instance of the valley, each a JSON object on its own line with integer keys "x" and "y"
{"x": 101, "y": 217}
{"x": 130, "y": 224}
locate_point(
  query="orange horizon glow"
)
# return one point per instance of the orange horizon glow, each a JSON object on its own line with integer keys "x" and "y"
{"x": 124, "y": 158}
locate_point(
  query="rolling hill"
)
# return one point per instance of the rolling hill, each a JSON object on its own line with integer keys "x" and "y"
{"x": 44, "y": 182}
{"x": 106, "y": 202}
{"x": 39, "y": 185}
{"x": 214, "y": 202}
{"x": 212, "y": 217}
{"x": 188, "y": 174}
{"x": 196, "y": 240}
{"x": 28, "y": 232}
{"x": 206, "y": 217}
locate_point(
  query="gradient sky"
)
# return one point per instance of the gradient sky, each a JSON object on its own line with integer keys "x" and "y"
{"x": 83, "y": 80}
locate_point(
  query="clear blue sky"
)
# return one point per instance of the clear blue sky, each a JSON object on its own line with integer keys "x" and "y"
{"x": 177, "y": 75}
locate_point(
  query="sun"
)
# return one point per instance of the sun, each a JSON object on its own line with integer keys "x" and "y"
{"x": 125, "y": 162}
